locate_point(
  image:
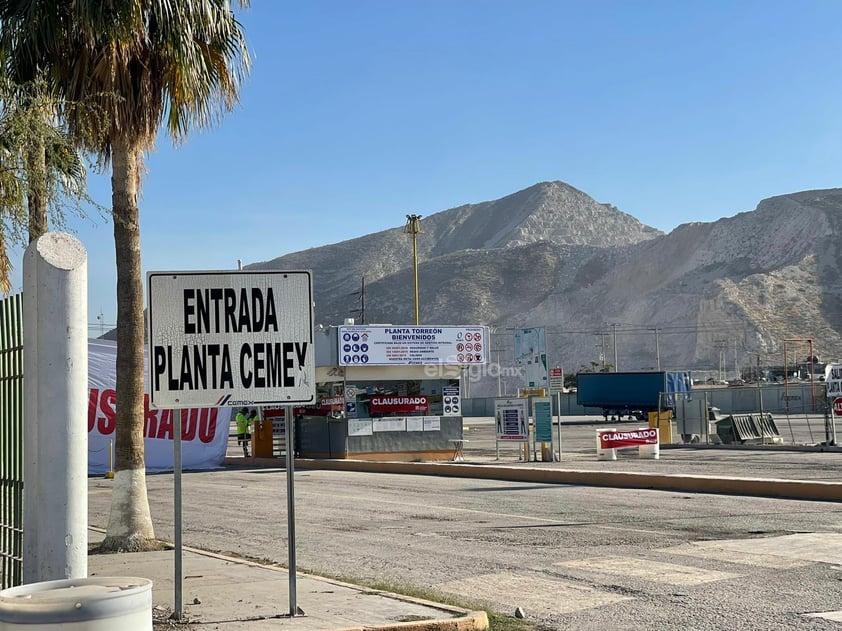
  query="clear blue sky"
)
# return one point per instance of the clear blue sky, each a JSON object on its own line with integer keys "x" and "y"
{"x": 358, "y": 113}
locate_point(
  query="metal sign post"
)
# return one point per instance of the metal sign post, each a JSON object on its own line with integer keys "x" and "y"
{"x": 830, "y": 420}
{"x": 289, "y": 423}
{"x": 557, "y": 386}
{"x": 178, "y": 609}
{"x": 558, "y": 424}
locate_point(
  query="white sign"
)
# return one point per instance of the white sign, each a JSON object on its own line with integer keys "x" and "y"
{"x": 510, "y": 418}
{"x": 230, "y": 339}
{"x": 556, "y": 380}
{"x": 389, "y": 424}
{"x": 833, "y": 380}
{"x": 359, "y": 427}
{"x": 432, "y": 423}
{"x": 531, "y": 355}
{"x": 412, "y": 345}
{"x": 451, "y": 401}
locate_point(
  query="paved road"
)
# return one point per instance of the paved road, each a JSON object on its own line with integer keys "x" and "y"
{"x": 573, "y": 557}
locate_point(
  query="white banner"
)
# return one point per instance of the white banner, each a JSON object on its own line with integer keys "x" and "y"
{"x": 412, "y": 345}
{"x": 204, "y": 432}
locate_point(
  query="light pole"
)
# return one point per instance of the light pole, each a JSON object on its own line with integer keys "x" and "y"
{"x": 413, "y": 227}
{"x": 657, "y": 350}
{"x": 602, "y": 352}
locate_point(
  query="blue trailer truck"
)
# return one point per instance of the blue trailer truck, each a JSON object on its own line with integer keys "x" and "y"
{"x": 632, "y": 394}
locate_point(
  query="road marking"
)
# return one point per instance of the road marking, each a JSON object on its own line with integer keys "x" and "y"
{"x": 834, "y": 616}
{"x": 536, "y": 595}
{"x": 711, "y": 550}
{"x": 819, "y": 547}
{"x": 669, "y": 573}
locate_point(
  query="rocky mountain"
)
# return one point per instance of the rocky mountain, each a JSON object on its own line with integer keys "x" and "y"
{"x": 552, "y": 211}
{"x": 707, "y": 296}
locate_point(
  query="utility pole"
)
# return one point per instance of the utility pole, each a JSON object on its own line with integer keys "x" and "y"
{"x": 413, "y": 227}
{"x": 362, "y": 300}
{"x": 721, "y": 346}
{"x": 602, "y": 335}
{"x": 657, "y": 349}
{"x": 360, "y": 313}
{"x": 614, "y": 327}
{"x": 737, "y": 374}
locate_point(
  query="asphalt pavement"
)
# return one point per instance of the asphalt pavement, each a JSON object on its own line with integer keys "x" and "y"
{"x": 230, "y": 593}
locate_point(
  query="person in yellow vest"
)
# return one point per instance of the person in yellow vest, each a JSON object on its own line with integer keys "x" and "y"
{"x": 243, "y": 435}
{"x": 254, "y": 418}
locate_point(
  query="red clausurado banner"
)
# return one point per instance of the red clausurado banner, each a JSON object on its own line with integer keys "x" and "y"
{"x": 388, "y": 403}
{"x": 612, "y": 439}
{"x": 204, "y": 432}
{"x": 324, "y": 407}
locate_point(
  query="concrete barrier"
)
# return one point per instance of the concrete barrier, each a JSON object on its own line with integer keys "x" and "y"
{"x": 756, "y": 487}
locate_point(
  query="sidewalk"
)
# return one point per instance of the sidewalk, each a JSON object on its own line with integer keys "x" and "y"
{"x": 230, "y": 594}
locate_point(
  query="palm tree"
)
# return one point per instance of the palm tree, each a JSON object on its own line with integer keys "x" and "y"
{"x": 41, "y": 172}
{"x": 147, "y": 64}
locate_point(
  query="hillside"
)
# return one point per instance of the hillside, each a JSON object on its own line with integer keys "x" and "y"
{"x": 726, "y": 292}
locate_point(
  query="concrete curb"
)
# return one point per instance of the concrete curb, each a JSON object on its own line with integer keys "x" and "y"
{"x": 755, "y": 487}
{"x": 473, "y": 621}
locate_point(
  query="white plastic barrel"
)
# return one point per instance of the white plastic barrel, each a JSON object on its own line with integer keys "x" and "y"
{"x": 83, "y": 604}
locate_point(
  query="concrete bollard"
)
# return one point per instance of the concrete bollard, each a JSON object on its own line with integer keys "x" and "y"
{"x": 55, "y": 307}
{"x": 604, "y": 454}
{"x": 652, "y": 452}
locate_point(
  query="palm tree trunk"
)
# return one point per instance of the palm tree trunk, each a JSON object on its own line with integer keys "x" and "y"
{"x": 130, "y": 522}
{"x": 36, "y": 195}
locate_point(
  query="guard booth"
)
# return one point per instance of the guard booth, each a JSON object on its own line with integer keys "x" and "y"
{"x": 269, "y": 438}
{"x": 387, "y": 392}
